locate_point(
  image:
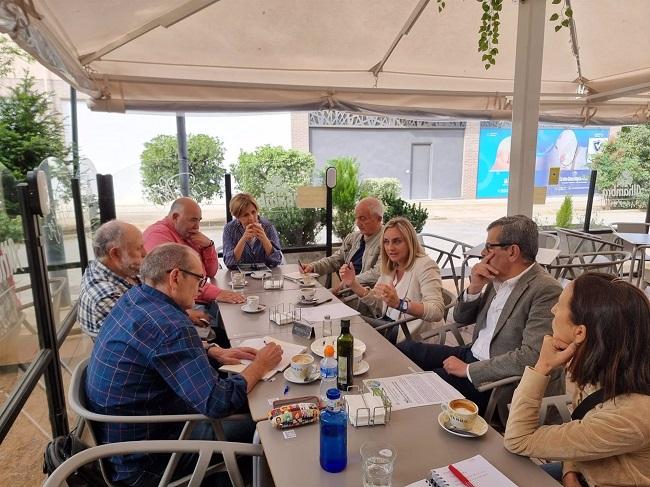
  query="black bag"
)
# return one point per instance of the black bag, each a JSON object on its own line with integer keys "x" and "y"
{"x": 60, "y": 449}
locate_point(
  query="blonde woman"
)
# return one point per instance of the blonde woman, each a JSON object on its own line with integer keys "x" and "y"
{"x": 249, "y": 238}
{"x": 409, "y": 284}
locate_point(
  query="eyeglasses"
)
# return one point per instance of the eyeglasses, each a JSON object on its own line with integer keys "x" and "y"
{"x": 489, "y": 246}
{"x": 202, "y": 279}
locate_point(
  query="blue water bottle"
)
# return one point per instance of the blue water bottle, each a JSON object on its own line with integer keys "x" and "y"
{"x": 333, "y": 434}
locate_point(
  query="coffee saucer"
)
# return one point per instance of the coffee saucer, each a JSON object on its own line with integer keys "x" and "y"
{"x": 260, "y": 308}
{"x": 307, "y": 302}
{"x": 260, "y": 274}
{"x": 362, "y": 368}
{"x": 479, "y": 428}
{"x": 291, "y": 376}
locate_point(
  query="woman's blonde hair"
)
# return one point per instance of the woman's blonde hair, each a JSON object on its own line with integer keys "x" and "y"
{"x": 240, "y": 202}
{"x": 404, "y": 227}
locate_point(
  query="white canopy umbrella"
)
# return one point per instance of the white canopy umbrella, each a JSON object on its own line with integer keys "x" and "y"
{"x": 399, "y": 57}
{"x": 382, "y": 56}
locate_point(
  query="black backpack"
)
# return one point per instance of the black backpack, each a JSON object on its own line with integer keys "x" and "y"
{"x": 60, "y": 449}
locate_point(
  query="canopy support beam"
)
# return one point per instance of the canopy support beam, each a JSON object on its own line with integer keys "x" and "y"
{"x": 167, "y": 20}
{"x": 525, "y": 111}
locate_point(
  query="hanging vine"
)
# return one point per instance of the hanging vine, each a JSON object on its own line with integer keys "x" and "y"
{"x": 491, "y": 20}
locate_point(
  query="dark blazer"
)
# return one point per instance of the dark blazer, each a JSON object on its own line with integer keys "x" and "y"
{"x": 525, "y": 319}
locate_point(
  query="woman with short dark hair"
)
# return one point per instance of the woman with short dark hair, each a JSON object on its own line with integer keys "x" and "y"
{"x": 249, "y": 238}
{"x": 601, "y": 329}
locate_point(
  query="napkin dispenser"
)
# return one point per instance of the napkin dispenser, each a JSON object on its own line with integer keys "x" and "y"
{"x": 368, "y": 408}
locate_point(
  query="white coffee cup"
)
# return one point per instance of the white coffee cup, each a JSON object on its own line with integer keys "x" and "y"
{"x": 462, "y": 413}
{"x": 307, "y": 293}
{"x": 252, "y": 303}
{"x": 302, "y": 365}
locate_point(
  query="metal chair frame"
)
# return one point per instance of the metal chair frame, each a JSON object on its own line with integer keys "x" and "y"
{"x": 77, "y": 402}
{"x": 571, "y": 266}
{"x": 450, "y": 260}
{"x": 205, "y": 450}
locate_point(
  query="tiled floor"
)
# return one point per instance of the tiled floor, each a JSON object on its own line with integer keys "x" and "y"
{"x": 21, "y": 452}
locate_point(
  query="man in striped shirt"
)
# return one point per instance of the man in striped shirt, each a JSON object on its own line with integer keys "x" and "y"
{"x": 148, "y": 359}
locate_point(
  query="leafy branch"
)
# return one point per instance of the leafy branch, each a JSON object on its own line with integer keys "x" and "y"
{"x": 491, "y": 20}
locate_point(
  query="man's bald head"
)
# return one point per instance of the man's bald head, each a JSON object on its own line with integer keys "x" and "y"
{"x": 185, "y": 214}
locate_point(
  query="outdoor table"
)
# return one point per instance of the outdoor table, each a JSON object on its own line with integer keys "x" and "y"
{"x": 420, "y": 442}
{"x": 239, "y": 324}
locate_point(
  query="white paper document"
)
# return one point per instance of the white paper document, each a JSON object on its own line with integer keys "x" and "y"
{"x": 288, "y": 351}
{"x": 414, "y": 390}
{"x": 335, "y": 310}
{"x": 477, "y": 470}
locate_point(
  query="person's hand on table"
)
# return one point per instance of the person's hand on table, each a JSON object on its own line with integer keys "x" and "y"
{"x": 306, "y": 268}
{"x": 455, "y": 366}
{"x": 482, "y": 273}
{"x": 232, "y": 356}
{"x": 388, "y": 294}
{"x": 198, "y": 317}
{"x": 571, "y": 479}
{"x": 269, "y": 356}
{"x": 554, "y": 353}
{"x": 232, "y": 297}
{"x": 200, "y": 240}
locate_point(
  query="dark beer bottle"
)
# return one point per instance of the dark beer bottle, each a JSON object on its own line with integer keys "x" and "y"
{"x": 345, "y": 356}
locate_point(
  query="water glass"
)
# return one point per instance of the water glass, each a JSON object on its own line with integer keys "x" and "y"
{"x": 377, "y": 461}
{"x": 238, "y": 279}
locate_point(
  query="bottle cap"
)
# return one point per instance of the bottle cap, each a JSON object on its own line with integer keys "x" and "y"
{"x": 329, "y": 351}
{"x": 333, "y": 394}
{"x": 326, "y": 317}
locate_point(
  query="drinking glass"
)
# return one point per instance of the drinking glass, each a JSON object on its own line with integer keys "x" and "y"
{"x": 377, "y": 461}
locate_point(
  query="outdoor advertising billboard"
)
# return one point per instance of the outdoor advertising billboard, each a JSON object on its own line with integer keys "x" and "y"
{"x": 570, "y": 149}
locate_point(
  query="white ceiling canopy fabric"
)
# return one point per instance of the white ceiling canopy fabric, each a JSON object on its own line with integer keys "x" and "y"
{"x": 381, "y": 56}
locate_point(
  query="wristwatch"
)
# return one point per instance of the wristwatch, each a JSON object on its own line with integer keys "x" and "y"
{"x": 210, "y": 345}
{"x": 403, "y": 305}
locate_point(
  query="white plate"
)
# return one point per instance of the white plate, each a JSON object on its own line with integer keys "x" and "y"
{"x": 479, "y": 427}
{"x": 319, "y": 344}
{"x": 291, "y": 377}
{"x": 259, "y": 309}
{"x": 238, "y": 286}
{"x": 260, "y": 274}
{"x": 362, "y": 368}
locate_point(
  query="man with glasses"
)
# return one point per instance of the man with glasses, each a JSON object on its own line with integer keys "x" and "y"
{"x": 509, "y": 298}
{"x": 148, "y": 360}
{"x": 359, "y": 249}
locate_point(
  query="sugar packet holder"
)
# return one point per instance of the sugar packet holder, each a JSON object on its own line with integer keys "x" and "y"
{"x": 367, "y": 407}
{"x": 294, "y": 415}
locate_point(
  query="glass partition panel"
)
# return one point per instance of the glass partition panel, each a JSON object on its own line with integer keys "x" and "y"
{"x": 18, "y": 337}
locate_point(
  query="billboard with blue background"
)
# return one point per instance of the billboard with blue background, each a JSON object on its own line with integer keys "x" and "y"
{"x": 570, "y": 149}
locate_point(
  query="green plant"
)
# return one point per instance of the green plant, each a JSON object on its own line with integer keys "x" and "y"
{"x": 255, "y": 171}
{"x": 624, "y": 164}
{"x": 564, "y": 215}
{"x": 345, "y": 194}
{"x": 10, "y": 228}
{"x": 29, "y": 130}
{"x": 160, "y": 170}
{"x": 381, "y": 188}
{"x": 398, "y": 207}
{"x": 491, "y": 20}
{"x": 9, "y": 52}
{"x": 296, "y": 226}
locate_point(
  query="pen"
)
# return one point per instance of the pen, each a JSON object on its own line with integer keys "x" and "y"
{"x": 302, "y": 269}
{"x": 464, "y": 480}
{"x": 286, "y": 389}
